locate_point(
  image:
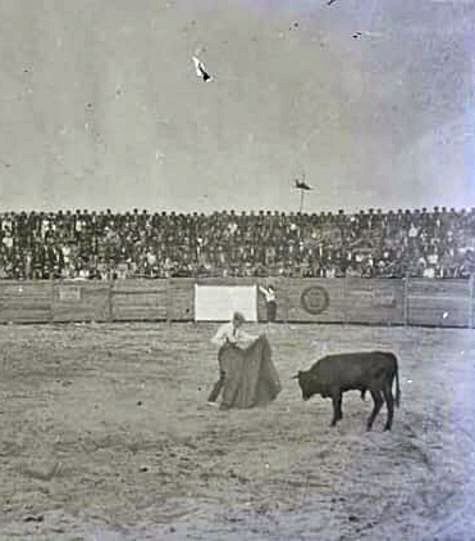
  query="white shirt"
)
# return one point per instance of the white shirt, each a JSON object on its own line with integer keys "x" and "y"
{"x": 151, "y": 258}
{"x": 268, "y": 294}
{"x": 429, "y": 272}
{"x": 432, "y": 259}
{"x": 8, "y": 241}
{"x": 228, "y": 332}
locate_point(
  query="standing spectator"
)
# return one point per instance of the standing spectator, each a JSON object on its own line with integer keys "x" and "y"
{"x": 271, "y": 303}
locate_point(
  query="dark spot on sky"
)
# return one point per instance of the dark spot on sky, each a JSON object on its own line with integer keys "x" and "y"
{"x": 330, "y": 2}
{"x": 357, "y": 35}
{"x": 193, "y": 23}
{"x": 89, "y": 105}
{"x": 118, "y": 92}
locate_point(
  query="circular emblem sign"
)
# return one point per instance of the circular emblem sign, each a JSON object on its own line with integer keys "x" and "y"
{"x": 314, "y": 300}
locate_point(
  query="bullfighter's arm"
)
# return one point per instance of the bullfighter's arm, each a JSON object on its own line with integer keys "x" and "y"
{"x": 246, "y": 337}
{"x": 223, "y": 335}
{"x": 218, "y": 338}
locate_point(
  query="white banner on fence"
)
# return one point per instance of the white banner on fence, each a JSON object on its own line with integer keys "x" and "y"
{"x": 217, "y": 303}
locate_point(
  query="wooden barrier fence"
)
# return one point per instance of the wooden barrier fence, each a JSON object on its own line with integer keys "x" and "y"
{"x": 440, "y": 303}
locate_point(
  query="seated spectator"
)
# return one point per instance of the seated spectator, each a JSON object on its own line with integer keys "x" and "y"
{"x": 67, "y": 244}
{"x": 429, "y": 272}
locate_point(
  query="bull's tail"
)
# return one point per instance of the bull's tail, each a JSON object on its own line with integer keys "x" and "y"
{"x": 398, "y": 390}
{"x": 397, "y": 398}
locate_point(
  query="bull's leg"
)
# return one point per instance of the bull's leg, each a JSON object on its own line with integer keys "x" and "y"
{"x": 337, "y": 413}
{"x": 378, "y": 402}
{"x": 388, "y": 396}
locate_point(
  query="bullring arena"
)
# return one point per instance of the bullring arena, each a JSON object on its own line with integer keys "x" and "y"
{"x": 106, "y": 434}
{"x": 172, "y": 169}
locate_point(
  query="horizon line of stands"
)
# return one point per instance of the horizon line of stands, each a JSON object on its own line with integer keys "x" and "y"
{"x": 255, "y": 212}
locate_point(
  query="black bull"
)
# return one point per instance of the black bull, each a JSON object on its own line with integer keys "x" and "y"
{"x": 374, "y": 371}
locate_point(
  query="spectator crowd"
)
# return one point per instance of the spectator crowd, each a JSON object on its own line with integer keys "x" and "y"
{"x": 439, "y": 243}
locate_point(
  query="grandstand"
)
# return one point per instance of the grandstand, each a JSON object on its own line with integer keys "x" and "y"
{"x": 82, "y": 244}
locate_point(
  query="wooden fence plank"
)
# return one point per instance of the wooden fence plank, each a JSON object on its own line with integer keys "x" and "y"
{"x": 140, "y": 300}
{"x": 182, "y": 296}
{"x": 25, "y": 302}
{"x": 445, "y": 303}
{"x": 441, "y": 303}
{"x": 377, "y": 301}
{"x": 81, "y": 301}
{"x": 310, "y": 300}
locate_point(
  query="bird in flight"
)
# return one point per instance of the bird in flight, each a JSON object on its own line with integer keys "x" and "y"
{"x": 358, "y": 35}
{"x": 201, "y": 71}
{"x": 302, "y": 185}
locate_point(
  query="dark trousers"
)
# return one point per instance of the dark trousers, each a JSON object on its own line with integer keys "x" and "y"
{"x": 218, "y": 387}
{"x": 271, "y": 311}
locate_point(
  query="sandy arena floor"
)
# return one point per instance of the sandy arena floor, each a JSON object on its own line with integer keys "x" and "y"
{"x": 105, "y": 436}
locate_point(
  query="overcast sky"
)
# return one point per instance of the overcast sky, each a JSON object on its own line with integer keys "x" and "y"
{"x": 100, "y": 106}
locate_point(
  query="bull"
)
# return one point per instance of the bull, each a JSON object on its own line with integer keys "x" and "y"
{"x": 373, "y": 371}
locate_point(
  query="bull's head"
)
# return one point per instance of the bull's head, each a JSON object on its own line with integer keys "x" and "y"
{"x": 307, "y": 384}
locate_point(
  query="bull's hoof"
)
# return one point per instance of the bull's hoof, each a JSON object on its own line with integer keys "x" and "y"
{"x": 387, "y": 427}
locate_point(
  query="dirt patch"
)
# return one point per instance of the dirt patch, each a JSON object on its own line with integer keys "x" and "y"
{"x": 105, "y": 435}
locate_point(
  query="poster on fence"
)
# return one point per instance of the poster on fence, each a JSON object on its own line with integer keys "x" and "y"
{"x": 217, "y": 303}
{"x": 69, "y": 294}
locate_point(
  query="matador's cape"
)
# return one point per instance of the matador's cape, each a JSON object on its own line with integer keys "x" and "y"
{"x": 251, "y": 378}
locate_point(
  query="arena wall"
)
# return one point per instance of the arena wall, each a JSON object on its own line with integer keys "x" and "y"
{"x": 440, "y": 303}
